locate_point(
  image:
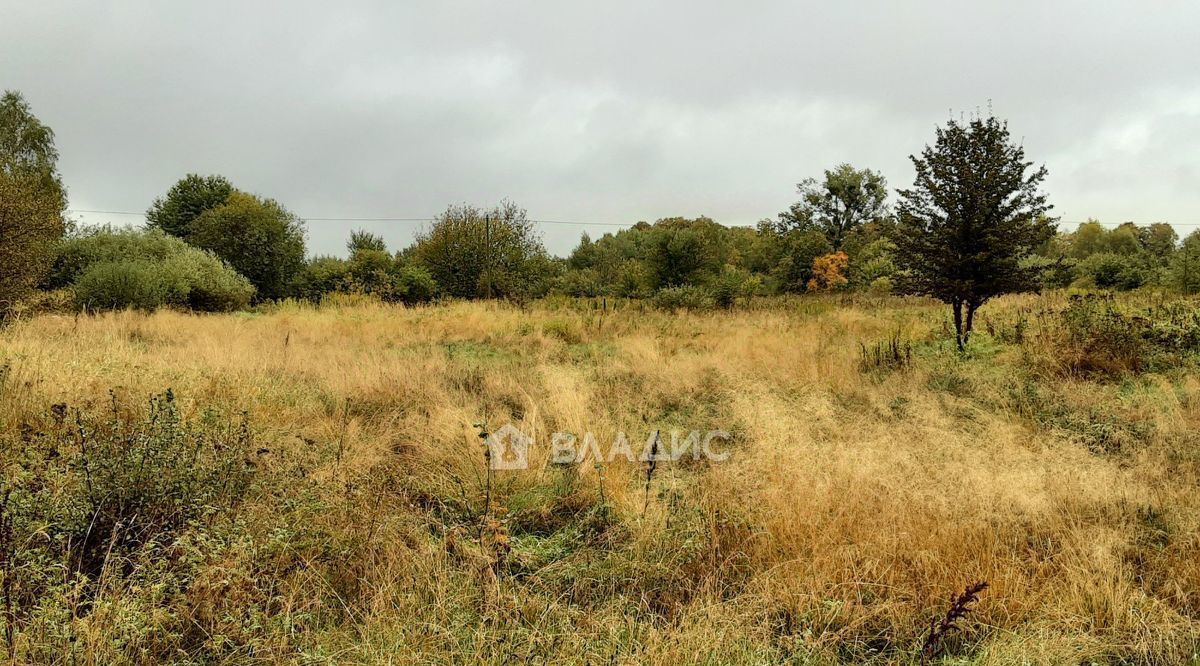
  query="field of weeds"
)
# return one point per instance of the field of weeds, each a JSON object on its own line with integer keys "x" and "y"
{"x": 310, "y": 485}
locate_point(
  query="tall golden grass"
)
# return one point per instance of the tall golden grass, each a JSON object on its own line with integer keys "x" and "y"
{"x": 854, "y": 504}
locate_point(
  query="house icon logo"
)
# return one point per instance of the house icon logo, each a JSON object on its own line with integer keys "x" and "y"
{"x": 508, "y": 448}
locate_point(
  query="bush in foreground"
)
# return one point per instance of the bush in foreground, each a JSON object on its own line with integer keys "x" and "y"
{"x": 96, "y": 512}
{"x": 115, "y": 269}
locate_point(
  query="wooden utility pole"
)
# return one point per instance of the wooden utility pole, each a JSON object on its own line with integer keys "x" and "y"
{"x": 1187, "y": 269}
{"x": 487, "y": 248}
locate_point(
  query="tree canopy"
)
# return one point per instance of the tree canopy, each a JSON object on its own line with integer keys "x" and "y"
{"x": 843, "y": 201}
{"x": 187, "y": 199}
{"x": 260, "y": 238}
{"x": 472, "y": 252}
{"x": 974, "y": 213}
{"x": 32, "y": 200}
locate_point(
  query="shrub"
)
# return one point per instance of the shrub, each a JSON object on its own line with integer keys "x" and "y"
{"x": 580, "y": 282}
{"x": 369, "y": 271}
{"x": 84, "y": 494}
{"x": 1092, "y": 336}
{"x": 76, "y": 254}
{"x": 191, "y": 279}
{"x": 210, "y": 285}
{"x": 1114, "y": 271}
{"x": 1053, "y": 272}
{"x": 473, "y": 253}
{"x": 733, "y": 283}
{"x": 320, "y": 276}
{"x": 1098, "y": 339}
{"x": 112, "y": 269}
{"x": 881, "y": 286}
{"x": 115, "y": 285}
{"x": 829, "y": 272}
{"x": 259, "y": 237}
{"x": 683, "y": 298}
{"x": 416, "y": 285}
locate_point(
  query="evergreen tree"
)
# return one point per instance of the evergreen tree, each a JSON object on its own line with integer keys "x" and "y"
{"x": 974, "y": 213}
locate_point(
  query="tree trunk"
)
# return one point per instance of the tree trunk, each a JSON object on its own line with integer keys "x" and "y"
{"x": 971, "y": 307}
{"x": 958, "y": 323}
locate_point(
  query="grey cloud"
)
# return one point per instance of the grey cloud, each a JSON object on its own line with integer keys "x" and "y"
{"x": 611, "y": 112}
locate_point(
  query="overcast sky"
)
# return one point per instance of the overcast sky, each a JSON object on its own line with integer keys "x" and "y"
{"x": 606, "y": 112}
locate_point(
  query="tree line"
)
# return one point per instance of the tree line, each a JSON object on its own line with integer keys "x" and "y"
{"x": 973, "y": 225}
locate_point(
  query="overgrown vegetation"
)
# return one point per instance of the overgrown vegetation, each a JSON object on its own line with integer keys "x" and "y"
{"x": 314, "y": 490}
{"x": 840, "y": 236}
{"x": 116, "y": 269}
{"x": 32, "y": 200}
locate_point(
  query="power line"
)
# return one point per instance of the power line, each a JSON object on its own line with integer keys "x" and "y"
{"x": 371, "y": 219}
{"x": 567, "y": 222}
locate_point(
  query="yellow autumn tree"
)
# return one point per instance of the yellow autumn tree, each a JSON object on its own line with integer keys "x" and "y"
{"x": 829, "y": 272}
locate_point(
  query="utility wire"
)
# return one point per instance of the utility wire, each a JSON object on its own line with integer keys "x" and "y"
{"x": 369, "y": 219}
{"x": 568, "y": 222}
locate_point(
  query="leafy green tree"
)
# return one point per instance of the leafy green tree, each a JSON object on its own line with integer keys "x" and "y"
{"x": 1110, "y": 270}
{"x": 1184, "y": 273}
{"x": 846, "y": 199}
{"x": 365, "y": 240}
{"x": 260, "y": 238}
{"x": 617, "y": 264}
{"x": 685, "y": 252}
{"x": 797, "y": 249}
{"x": 32, "y": 200}
{"x": 872, "y": 262}
{"x": 321, "y": 275}
{"x": 1089, "y": 238}
{"x": 475, "y": 253}
{"x": 185, "y": 201}
{"x": 974, "y": 213}
{"x": 1125, "y": 240}
{"x": 1160, "y": 241}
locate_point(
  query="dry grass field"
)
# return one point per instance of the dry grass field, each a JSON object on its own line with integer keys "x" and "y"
{"x": 364, "y": 528}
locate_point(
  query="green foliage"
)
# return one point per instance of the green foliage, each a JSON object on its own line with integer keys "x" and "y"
{"x": 87, "y": 494}
{"x": 475, "y": 253}
{"x": 365, "y": 240}
{"x": 1093, "y": 336}
{"x": 194, "y": 280}
{"x": 75, "y": 254}
{"x": 114, "y": 269}
{"x": 32, "y": 200}
{"x": 1159, "y": 240}
{"x": 1125, "y": 257}
{"x": 187, "y": 200}
{"x": 136, "y": 284}
{"x": 685, "y": 252}
{"x": 260, "y": 238}
{"x": 732, "y": 284}
{"x": 797, "y": 251}
{"x": 1109, "y": 270}
{"x": 125, "y": 529}
{"x": 1054, "y": 272}
{"x": 320, "y": 276}
{"x": 871, "y": 260}
{"x": 1184, "y": 270}
{"x": 843, "y": 202}
{"x": 671, "y": 252}
{"x": 580, "y": 282}
{"x": 973, "y": 215}
{"x": 688, "y": 297}
{"x": 370, "y": 270}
